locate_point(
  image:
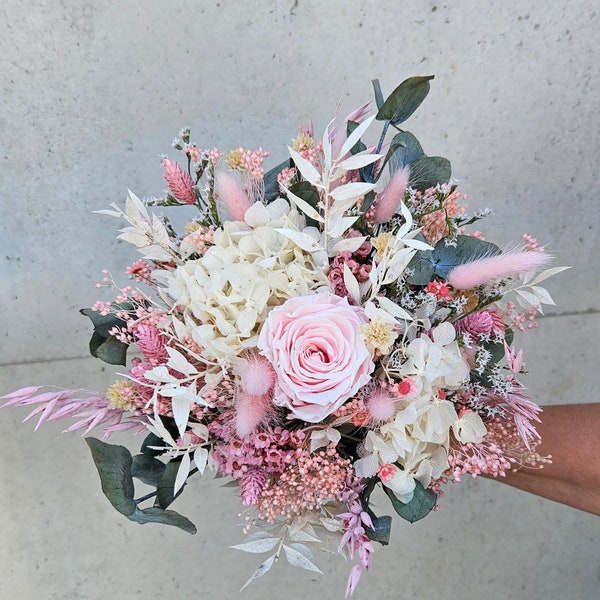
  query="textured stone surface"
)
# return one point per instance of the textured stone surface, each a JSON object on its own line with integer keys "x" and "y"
{"x": 92, "y": 94}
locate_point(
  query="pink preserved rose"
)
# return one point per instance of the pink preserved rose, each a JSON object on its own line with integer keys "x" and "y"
{"x": 314, "y": 345}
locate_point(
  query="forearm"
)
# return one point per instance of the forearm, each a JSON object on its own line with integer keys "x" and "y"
{"x": 571, "y": 434}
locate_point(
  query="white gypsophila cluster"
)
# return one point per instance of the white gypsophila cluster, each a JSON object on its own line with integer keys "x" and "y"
{"x": 250, "y": 269}
{"x": 418, "y": 436}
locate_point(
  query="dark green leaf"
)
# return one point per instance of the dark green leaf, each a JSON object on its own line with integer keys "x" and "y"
{"x": 111, "y": 351}
{"x": 428, "y": 171}
{"x": 152, "y": 440}
{"x": 270, "y": 181}
{"x": 102, "y": 344}
{"x": 382, "y": 528}
{"x": 404, "y": 100}
{"x": 378, "y": 94}
{"x": 423, "y": 268}
{"x": 420, "y": 506}
{"x": 405, "y": 150}
{"x": 166, "y": 485}
{"x": 166, "y": 517}
{"x": 147, "y": 469}
{"x": 114, "y": 467}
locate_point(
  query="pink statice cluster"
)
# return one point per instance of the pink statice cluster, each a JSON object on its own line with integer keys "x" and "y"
{"x": 312, "y": 332}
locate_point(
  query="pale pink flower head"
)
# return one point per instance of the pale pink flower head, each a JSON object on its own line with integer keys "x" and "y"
{"x": 480, "y": 323}
{"x": 315, "y": 347}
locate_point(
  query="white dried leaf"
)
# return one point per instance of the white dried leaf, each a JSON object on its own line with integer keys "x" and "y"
{"x": 548, "y": 273}
{"x": 526, "y": 299}
{"x": 264, "y": 568}
{"x": 156, "y": 252}
{"x": 134, "y": 236}
{"x": 178, "y": 362}
{"x": 159, "y": 374}
{"x": 299, "y": 555}
{"x": 306, "y": 168}
{"x": 327, "y": 147}
{"x": 417, "y": 244}
{"x": 358, "y": 161}
{"x": 201, "y": 459}
{"x": 258, "y": 545}
{"x": 351, "y": 284}
{"x": 182, "y": 472}
{"x": 350, "y": 191}
{"x": 393, "y": 309}
{"x": 355, "y": 136}
{"x": 159, "y": 232}
{"x": 542, "y": 294}
{"x": 304, "y": 206}
{"x": 350, "y": 244}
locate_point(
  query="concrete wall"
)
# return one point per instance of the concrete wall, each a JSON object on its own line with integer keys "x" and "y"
{"x": 93, "y": 93}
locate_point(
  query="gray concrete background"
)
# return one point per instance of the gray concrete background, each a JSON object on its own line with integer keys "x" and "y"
{"x": 93, "y": 93}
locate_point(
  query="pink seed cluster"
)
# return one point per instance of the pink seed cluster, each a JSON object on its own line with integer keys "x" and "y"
{"x": 305, "y": 485}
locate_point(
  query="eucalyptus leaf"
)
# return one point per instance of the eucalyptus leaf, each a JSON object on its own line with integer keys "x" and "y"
{"x": 404, "y": 100}
{"x": 150, "y": 441}
{"x": 114, "y": 467}
{"x": 111, "y": 351}
{"x": 147, "y": 469}
{"x": 382, "y": 528}
{"x": 102, "y": 345}
{"x": 405, "y": 149}
{"x": 154, "y": 514}
{"x": 422, "y": 503}
{"x": 378, "y": 93}
{"x": 166, "y": 485}
{"x": 427, "y": 171}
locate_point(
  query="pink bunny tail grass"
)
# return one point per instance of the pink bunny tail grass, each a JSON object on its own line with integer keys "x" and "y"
{"x": 493, "y": 268}
{"x": 381, "y": 405}
{"x": 232, "y": 200}
{"x": 180, "y": 183}
{"x": 250, "y": 412}
{"x": 389, "y": 200}
{"x": 257, "y": 376}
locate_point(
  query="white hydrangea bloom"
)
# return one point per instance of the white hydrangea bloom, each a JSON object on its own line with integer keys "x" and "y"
{"x": 435, "y": 364}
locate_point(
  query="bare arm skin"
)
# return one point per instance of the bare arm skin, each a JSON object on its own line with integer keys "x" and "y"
{"x": 571, "y": 434}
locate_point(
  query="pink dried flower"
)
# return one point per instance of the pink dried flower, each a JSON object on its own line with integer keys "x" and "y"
{"x": 493, "y": 268}
{"x": 439, "y": 289}
{"x": 140, "y": 271}
{"x": 180, "y": 183}
{"x": 151, "y": 343}
{"x": 252, "y": 484}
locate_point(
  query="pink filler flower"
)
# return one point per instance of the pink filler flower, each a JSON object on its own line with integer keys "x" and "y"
{"x": 314, "y": 345}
